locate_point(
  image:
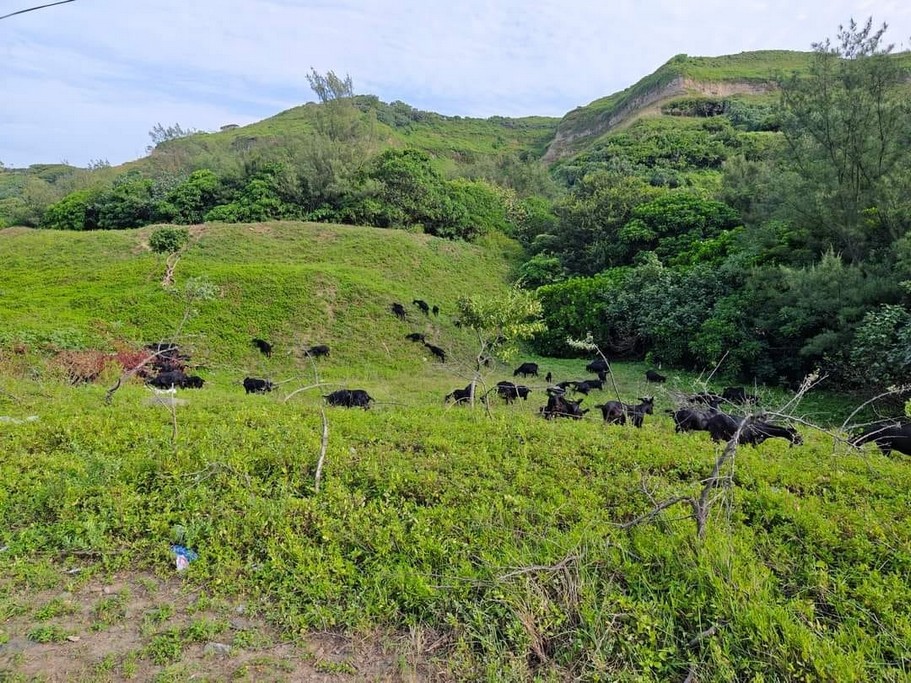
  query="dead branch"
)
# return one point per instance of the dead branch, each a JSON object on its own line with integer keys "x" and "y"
{"x": 306, "y": 388}
{"x": 170, "y": 265}
{"x": 658, "y": 508}
{"x": 127, "y": 374}
{"x": 533, "y": 569}
{"x": 701, "y": 505}
{"x": 707, "y": 633}
{"x": 890, "y": 392}
{"x": 324, "y": 446}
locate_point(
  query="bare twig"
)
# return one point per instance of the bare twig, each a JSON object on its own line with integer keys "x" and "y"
{"x": 170, "y": 265}
{"x": 306, "y": 388}
{"x": 533, "y": 569}
{"x": 707, "y": 633}
{"x": 324, "y": 446}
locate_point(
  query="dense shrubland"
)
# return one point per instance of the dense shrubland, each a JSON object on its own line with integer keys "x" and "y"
{"x": 696, "y": 240}
{"x": 768, "y": 233}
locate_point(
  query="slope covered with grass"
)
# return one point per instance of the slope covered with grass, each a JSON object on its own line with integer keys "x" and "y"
{"x": 294, "y": 284}
{"x": 493, "y": 539}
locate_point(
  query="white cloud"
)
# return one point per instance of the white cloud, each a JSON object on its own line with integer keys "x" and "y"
{"x": 88, "y": 79}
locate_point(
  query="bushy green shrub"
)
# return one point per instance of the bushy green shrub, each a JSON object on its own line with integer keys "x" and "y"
{"x": 168, "y": 240}
{"x": 77, "y": 211}
{"x": 881, "y": 350}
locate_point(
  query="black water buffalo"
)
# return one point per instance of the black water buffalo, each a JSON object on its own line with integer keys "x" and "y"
{"x": 264, "y": 347}
{"x": 459, "y": 395}
{"x": 526, "y": 369}
{"x": 549, "y": 377}
{"x": 654, "y": 376}
{"x": 349, "y": 398}
{"x": 436, "y": 310}
{"x": 436, "y": 351}
{"x": 317, "y": 351}
{"x": 586, "y": 385}
{"x": 253, "y": 385}
{"x": 723, "y": 427}
{"x": 166, "y": 357}
{"x": 169, "y": 380}
{"x": 416, "y": 337}
{"x": 398, "y": 311}
{"x": 738, "y": 395}
{"x": 690, "y": 419}
{"x": 193, "y": 382}
{"x": 889, "y": 437}
{"x": 560, "y": 406}
{"x": 597, "y": 366}
{"x": 615, "y": 412}
{"x": 420, "y": 303}
{"x": 511, "y": 392}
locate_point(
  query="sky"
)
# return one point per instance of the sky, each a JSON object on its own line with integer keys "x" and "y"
{"x": 88, "y": 80}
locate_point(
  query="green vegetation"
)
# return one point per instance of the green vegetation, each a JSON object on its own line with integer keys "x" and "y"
{"x": 499, "y": 531}
{"x": 743, "y": 236}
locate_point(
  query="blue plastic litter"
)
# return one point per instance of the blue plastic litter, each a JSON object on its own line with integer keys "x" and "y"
{"x": 184, "y": 556}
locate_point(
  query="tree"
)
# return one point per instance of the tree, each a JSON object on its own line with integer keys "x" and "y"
{"x": 160, "y": 134}
{"x": 499, "y": 324}
{"x": 343, "y": 141}
{"x": 189, "y": 201}
{"x": 847, "y": 126}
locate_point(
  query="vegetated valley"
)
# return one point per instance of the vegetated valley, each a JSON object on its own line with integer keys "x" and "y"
{"x": 697, "y": 226}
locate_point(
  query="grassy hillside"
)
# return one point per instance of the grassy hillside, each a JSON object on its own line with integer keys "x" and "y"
{"x": 492, "y": 540}
{"x": 294, "y": 284}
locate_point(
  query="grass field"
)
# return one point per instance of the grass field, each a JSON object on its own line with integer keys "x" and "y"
{"x": 490, "y": 542}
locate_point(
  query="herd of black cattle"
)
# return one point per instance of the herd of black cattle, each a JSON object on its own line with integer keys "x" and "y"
{"x": 697, "y": 412}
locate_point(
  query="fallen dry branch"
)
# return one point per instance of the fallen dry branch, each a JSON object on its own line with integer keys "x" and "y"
{"x": 170, "y": 265}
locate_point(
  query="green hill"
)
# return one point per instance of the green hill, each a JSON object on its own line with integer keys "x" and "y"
{"x": 294, "y": 284}
{"x": 747, "y": 76}
{"x": 493, "y": 539}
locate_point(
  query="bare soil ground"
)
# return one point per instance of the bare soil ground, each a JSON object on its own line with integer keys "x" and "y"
{"x": 141, "y": 627}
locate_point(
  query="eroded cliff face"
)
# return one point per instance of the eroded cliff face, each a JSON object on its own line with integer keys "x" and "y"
{"x": 564, "y": 141}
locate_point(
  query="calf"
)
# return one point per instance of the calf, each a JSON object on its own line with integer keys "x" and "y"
{"x": 415, "y": 337}
{"x": 459, "y": 395}
{"x": 510, "y": 392}
{"x": 706, "y": 398}
{"x": 615, "y": 412}
{"x": 193, "y": 382}
{"x": 690, "y": 420}
{"x": 420, "y": 303}
{"x": 889, "y": 437}
{"x": 738, "y": 395}
{"x": 253, "y": 385}
{"x": 169, "y": 380}
{"x": 586, "y": 385}
{"x": 526, "y": 369}
{"x": 560, "y": 406}
{"x": 264, "y": 347}
{"x": 549, "y": 377}
{"x": 398, "y": 311}
{"x": 349, "y": 398}
{"x": 436, "y": 310}
{"x": 653, "y": 376}
{"x": 317, "y": 351}
{"x": 596, "y": 366}
{"x": 436, "y": 351}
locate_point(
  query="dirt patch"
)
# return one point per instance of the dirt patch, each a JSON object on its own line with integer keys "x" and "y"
{"x": 141, "y": 627}
{"x": 15, "y": 231}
